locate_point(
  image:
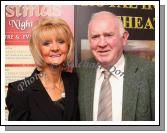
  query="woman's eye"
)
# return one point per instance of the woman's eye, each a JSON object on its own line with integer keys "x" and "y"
{"x": 60, "y": 41}
{"x": 45, "y": 43}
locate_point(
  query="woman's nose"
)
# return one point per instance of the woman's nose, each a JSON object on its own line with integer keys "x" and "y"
{"x": 54, "y": 47}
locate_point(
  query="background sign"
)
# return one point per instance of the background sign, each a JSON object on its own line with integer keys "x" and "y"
{"x": 19, "y": 20}
{"x": 138, "y": 20}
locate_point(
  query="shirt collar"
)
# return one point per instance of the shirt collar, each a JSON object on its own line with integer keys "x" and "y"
{"x": 118, "y": 66}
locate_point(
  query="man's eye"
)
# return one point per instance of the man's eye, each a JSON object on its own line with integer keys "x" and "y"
{"x": 94, "y": 37}
{"x": 108, "y": 35}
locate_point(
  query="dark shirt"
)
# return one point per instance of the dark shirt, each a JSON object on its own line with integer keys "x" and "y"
{"x": 60, "y": 104}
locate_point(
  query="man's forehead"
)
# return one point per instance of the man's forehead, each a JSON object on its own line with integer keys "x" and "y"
{"x": 102, "y": 21}
{"x": 103, "y": 16}
{"x": 103, "y": 26}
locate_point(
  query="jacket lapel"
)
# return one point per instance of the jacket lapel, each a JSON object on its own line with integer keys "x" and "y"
{"x": 89, "y": 74}
{"x": 43, "y": 101}
{"x": 90, "y": 96}
{"x": 130, "y": 89}
{"x": 69, "y": 95}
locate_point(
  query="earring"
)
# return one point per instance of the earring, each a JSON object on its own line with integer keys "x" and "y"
{"x": 40, "y": 74}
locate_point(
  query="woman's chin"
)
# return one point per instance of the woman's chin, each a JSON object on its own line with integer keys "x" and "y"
{"x": 54, "y": 65}
{"x": 55, "y": 62}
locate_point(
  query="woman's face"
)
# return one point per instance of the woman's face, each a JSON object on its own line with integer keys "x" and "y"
{"x": 54, "y": 50}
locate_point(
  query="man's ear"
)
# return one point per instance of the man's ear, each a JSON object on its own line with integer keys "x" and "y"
{"x": 125, "y": 37}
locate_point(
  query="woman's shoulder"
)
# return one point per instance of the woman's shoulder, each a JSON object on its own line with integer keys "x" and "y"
{"x": 21, "y": 85}
{"x": 69, "y": 74}
{"x": 16, "y": 98}
{"x": 16, "y": 83}
{"x": 16, "y": 92}
{"x": 18, "y": 86}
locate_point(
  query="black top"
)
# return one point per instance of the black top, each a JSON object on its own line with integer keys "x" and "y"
{"x": 28, "y": 100}
{"x": 60, "y": 104}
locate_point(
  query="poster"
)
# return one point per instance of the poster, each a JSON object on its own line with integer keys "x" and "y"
{"x": 19, "y": 20}
{"x": 18, "y": 24}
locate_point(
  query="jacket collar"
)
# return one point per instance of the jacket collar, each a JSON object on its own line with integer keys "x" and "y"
{"x": 130, "y": 88}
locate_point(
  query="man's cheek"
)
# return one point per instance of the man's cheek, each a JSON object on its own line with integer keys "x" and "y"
{"x": 93, "y": 47}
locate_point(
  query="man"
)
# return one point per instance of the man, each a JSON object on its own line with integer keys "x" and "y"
{"x": 130, "y": 87}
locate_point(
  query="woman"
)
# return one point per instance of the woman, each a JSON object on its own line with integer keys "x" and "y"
{"x": 49, "y": 94}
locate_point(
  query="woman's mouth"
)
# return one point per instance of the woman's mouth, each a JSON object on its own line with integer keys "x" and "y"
{"x": 55, "y": 55}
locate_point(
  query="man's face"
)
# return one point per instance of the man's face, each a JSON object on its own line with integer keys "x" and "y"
{"x": 105, "y": 39}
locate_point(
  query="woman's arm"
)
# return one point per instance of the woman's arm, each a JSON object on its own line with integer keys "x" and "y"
{"x": 17, "y": 103}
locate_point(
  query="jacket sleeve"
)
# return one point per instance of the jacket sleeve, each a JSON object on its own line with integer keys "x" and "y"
{"x": 17, "y": 104}
{"x": 152, "y": 87}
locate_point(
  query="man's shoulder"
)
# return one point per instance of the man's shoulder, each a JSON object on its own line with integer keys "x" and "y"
{"x": 89, "y": 60}
{"x": 140, "y": 66}
{"x": 133, "y": 59}
{"x": 87, "y": 64}
{"x": 86, "y": 67}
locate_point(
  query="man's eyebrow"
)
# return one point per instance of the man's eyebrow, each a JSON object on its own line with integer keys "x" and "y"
{"x": 108, "y": 33}
{"x": 104, "y": 34}
{"x": 92, "y": 35}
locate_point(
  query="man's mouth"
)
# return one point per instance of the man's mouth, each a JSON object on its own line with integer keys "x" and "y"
{"x": 103, "y": 52}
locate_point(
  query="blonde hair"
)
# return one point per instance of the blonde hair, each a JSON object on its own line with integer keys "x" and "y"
{"x": 42, "y": 30}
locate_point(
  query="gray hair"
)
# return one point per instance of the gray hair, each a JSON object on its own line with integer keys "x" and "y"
{"x": 120, "y": 23}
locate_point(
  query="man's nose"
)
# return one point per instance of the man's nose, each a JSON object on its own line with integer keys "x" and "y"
{"x": 102, "y": 41}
